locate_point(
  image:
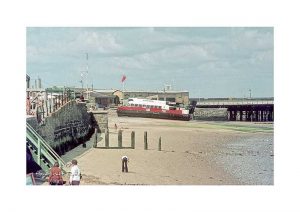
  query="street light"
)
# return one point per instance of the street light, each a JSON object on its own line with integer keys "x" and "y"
{"x": 250, "y": 93}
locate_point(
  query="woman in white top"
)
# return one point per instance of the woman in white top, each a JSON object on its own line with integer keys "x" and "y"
{"x": 75, "y": 174}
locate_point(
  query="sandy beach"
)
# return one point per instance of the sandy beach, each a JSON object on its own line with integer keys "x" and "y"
{"x": 193, "y": 153}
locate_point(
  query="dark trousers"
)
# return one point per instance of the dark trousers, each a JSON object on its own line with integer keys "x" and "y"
{"x": 124, "y": 165}
{"x": 56, "y": 183}
{"x": 75, "y": 182}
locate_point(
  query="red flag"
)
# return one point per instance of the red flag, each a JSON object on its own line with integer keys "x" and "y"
{"x": 123, "y": 78}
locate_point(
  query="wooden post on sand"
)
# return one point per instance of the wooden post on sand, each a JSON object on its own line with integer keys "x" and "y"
{"x": 107, "y": 138}
{"x": 133, "y": 140}
{"x": 120, "y": 139}
{"x": 145, "y": 141}
{"x": 159, "y": 144}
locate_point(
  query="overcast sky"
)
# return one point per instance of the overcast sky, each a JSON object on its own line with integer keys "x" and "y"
{"x": 207, "y": 62}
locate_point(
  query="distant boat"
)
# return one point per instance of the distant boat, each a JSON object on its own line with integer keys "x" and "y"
{"x": 153, "y": 109}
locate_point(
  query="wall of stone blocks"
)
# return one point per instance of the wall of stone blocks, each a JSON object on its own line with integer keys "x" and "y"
{"x": 100, "y": 120}
{"x": 69, "y": 123}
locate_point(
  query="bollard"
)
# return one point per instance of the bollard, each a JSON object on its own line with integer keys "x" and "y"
{"x": 95, "y": 141}
{"x": 107, "y": 138}
{"x": 133, "y": 140}
{"x": 120, "y": 139}
{"x": 159, "y": 144}
{"x": 145, "y": 141}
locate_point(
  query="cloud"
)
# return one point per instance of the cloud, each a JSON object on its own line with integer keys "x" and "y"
{"x": 176, "y": 56}
{"x": 254, "y": 39}
{"x": 97, "y": 43}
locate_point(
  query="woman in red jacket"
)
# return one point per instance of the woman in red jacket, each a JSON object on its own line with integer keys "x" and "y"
{"x": 55, "y": 177}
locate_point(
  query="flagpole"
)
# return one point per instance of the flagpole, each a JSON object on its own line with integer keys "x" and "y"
{"x": 123, "y": 85}
{"x": 123, "y": 92}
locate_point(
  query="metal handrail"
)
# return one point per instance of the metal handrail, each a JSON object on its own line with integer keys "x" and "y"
{"x": 48, "y": 152}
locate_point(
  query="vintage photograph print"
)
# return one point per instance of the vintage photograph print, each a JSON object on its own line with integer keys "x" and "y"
{"x": 149, "y": 106}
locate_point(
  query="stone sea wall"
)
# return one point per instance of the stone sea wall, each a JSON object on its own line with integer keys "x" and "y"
{"x": 100, "y": 120}
{"x": 67, "y": 127}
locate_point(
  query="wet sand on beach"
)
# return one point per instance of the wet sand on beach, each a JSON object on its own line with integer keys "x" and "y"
{"x": 193, "y": 153}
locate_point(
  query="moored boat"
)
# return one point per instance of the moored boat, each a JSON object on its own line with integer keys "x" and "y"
{"x": 153, "y": 109}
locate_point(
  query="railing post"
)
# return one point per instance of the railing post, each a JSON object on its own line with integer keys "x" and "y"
{"x": 43, "y": 112}
{"x": 51, "y": 103}
{"x": 38, "y": 151}
{"x": 62, "y": 98}
{"x": 145, "y": 141}
{"x": 46, "y": 107}
{"x": 133, "y": 140}
{"x": 107, "y": 138}
{"x": 120, "y": 139}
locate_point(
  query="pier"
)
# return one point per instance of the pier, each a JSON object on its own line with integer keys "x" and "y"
{"x": 258, "y": 110}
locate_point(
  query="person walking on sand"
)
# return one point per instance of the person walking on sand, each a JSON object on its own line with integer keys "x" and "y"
{"x": 124, "y": 163}
{"x": 55, "y": 177}
{"x": 75, "y": 174}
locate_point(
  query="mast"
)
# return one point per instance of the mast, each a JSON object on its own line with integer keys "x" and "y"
{"x": 84, "y": 75}
{"x": 87, "y": 72}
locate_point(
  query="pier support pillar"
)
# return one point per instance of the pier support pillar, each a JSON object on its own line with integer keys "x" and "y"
{"x": 265, "y": 115}
{"x": 272, "y": 115}
{"x": 248, "y": 115}
{"x": 234, "y": 115}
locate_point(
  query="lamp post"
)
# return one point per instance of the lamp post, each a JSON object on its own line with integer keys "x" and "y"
{"x": 250, "y": 93}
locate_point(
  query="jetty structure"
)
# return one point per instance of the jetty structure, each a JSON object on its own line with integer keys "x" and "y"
{"x": 234, "y": 109}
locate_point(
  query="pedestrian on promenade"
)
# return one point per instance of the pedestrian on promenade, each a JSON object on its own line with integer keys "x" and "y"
{"x": 75, "y": 174}
{"x": 81, "y": 98}
{"x": 55, "y": 177}
{"x": 124, "y": 163}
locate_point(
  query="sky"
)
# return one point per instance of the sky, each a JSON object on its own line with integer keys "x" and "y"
{"x": 206, "y": 61}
